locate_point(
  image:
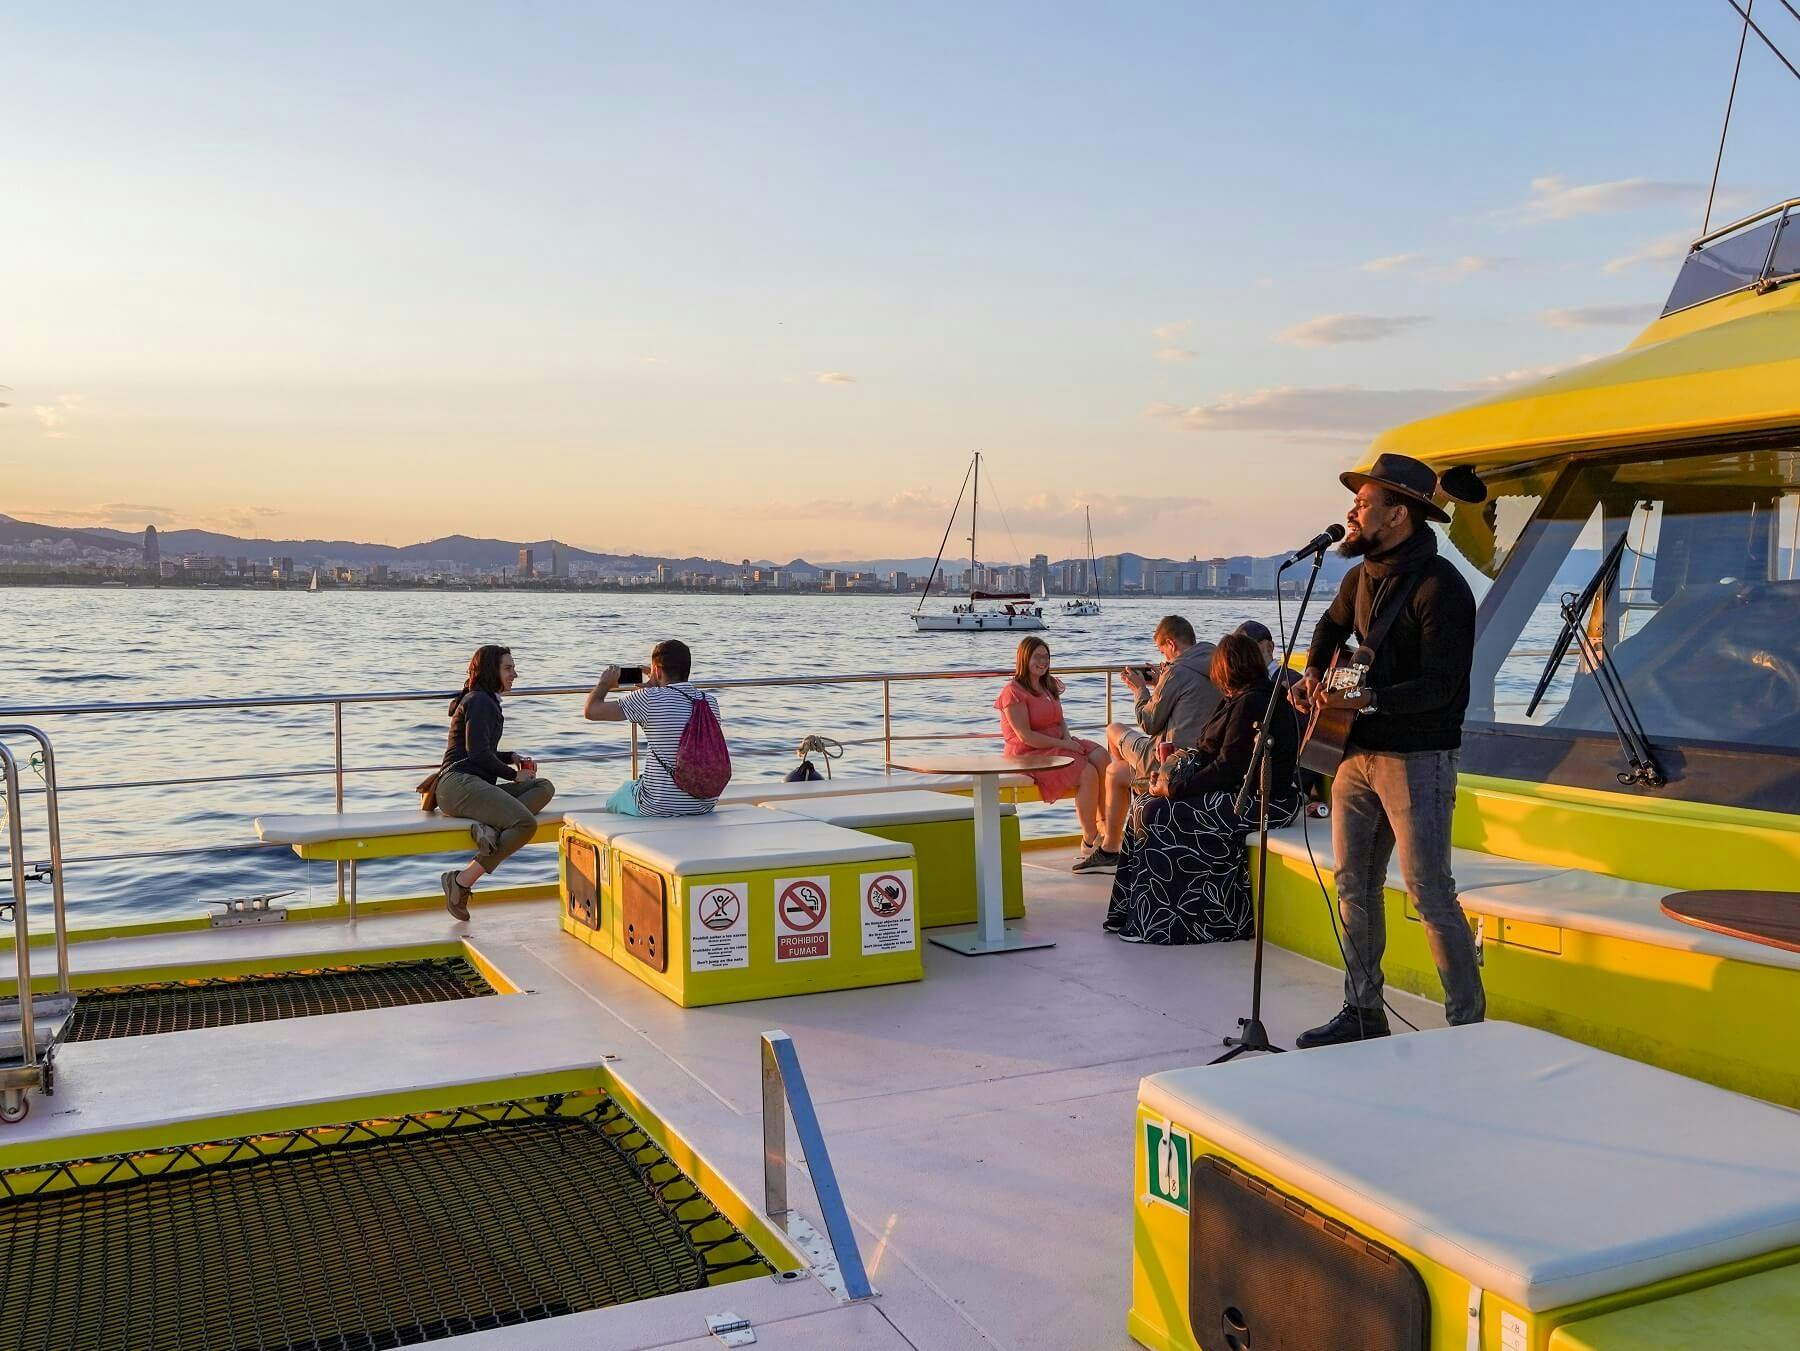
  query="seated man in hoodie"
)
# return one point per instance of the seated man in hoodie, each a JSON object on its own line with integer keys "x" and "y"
{"x": 1170, "y": 708}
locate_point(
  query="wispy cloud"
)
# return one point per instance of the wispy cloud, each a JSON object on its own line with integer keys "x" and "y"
{"x": 1328, "y": 411}
{"x": 247, "y": 520}
{"x": 1333, "y": 412}
{"x": 55, "y": 417}
{"x": 1168, "y": 332}
{"x": 1394, "y": 262}
{"x": 1176, "y": 354}
{"x": 834, "y": 378}
{"x": 1599, "y": 316}
{"x": 1661, "y": 251}
{"x": 1524, "y": 373}
{"x": 1040, "y": 516}
{"x": 1423, "y": 267}
{"x": 1554, "y": 197}
{"x": 1330, "y": 330}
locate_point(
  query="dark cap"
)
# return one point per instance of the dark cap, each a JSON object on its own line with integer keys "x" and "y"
{"x": 1256, "y": 631}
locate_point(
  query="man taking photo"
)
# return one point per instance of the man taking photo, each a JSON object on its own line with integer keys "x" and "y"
{"x": 1170, "y": 705}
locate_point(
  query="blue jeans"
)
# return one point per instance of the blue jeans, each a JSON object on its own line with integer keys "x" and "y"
{"x": 623, "y": 801}
{"x": 1380, "y": 801}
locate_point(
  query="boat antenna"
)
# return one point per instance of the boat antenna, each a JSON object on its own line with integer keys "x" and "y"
{"x": 1767, "y": 41}
{"x": 948, "y": 526}
{"x": 1750, "y": 26}
{"x": 1730, "y": 99}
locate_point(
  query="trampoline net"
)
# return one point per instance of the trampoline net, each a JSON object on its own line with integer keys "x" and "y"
{"x": 357, "y": 1236}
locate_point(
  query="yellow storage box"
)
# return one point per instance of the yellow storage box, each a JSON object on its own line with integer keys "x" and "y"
{"x": 1752, "y": 1313}
{"x": 721, "y": 908}
{"x": 1471, "y": 1187}
{"x": 940, "y": 827}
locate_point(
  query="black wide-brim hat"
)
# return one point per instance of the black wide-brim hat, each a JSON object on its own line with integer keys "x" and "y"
{"x": 1403, "y": 475}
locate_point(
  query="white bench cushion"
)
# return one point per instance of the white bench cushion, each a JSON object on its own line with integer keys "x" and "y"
{"x": 324, "y": 827}
{"x": 1564, "y": 898}
{"x": 859, "y": 811}
{"x": 605, "y": 826}
{"x": 697, "y": 846}
{"x": 1538, "y": 1168}
{"x": 896, "y": 781}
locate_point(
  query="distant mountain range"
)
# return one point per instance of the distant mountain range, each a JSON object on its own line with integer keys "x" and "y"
{"x": 465, "y": 551}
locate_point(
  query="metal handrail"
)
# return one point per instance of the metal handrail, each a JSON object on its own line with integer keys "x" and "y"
{"x": 535, "y": 691}
{"x": 21, "y": 924}
{"x": 784, "y": 1090}
{"x": 338, "y": 770}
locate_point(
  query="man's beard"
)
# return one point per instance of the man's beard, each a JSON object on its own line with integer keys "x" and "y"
{"x": 1357, "y": 544}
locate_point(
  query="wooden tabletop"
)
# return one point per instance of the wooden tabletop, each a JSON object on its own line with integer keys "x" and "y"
{"x": 984, "y": 762}
{"x": 1768, "y": 917}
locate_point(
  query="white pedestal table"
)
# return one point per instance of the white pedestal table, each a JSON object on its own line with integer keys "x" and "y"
{"x": 991, "y": 933}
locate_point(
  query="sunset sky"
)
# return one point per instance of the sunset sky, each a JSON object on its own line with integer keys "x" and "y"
{"x": 753, "y": 280}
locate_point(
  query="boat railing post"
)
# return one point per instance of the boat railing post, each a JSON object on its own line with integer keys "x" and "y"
{"x": 774, "y": 1116}
{"x": 784, "y": 1082}
{"x": 887, "y": 723}
{"x": 634, "y": 750}
{"x": 1109, "y": 716}
{"x": 21, "y": 926}
{"x": 337, "y": 739}
{"x": 54, "y": 822}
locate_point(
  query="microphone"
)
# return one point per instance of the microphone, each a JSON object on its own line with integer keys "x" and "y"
{"x": 1320, "y": 542}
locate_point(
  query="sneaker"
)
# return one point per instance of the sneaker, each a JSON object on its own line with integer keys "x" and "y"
{"x": 487, "y": 838}
{"x": 1100, "y": 861}
{"x": 1350, "y": 1024}
{"x": 1082, "y": 852}
{"x": 456, "y": 895}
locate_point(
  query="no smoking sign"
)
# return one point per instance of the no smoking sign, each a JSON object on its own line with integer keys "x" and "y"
{"x": 802, "y": 919}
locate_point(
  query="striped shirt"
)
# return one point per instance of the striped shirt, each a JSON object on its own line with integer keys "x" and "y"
{"x": 663, "y": 714}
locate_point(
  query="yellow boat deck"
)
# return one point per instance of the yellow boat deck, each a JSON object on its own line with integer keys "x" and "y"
{"x": 980, "y": 1121}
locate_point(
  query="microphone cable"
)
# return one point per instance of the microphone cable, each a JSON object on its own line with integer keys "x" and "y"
{"x": 1344, "y": 946}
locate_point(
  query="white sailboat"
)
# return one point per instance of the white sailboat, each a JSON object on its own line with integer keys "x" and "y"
{"x": 315, "y": 581}
{"x": 1087, "y": 605}
{"x": 1005, "y": 612}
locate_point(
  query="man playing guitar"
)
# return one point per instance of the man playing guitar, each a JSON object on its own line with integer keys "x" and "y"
{"x": 1396, "y": 785}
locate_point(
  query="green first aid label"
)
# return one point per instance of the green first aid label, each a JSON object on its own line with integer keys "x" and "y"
{"x": 1168, "y": 1154}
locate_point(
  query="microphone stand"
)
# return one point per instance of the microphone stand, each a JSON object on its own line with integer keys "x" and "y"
{"x": 1252, "y": 1035}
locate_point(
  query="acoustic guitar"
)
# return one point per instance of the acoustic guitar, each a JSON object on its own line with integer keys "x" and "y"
{"x": 1327, "y": 736}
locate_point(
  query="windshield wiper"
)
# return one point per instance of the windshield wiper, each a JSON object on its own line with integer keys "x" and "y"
{"x": 1632, "y": 738}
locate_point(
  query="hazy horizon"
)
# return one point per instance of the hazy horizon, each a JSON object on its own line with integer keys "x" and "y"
{"x": 754, "y": 283}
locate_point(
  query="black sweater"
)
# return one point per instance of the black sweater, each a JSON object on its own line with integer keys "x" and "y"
{"x": 1421, "y": 671}
{"x": 1229, "y": 737}
{"x": 475, "y": 726}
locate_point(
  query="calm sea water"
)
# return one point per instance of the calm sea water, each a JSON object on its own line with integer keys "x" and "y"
{"x": 109, "y": 646}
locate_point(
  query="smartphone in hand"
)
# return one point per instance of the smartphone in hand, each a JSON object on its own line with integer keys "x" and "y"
{"x": 631, "y": 675}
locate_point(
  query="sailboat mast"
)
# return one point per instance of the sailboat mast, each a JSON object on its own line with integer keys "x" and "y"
{"x": 974, "y": 516}
{"x": 1093, "y": 572}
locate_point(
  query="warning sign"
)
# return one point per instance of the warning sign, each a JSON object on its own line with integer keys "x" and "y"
{"x": 1167, "y": 1155}
{"x": 802, "y": 918}
{"x": 719, "y": 927}
{"x": 887, "y": 912}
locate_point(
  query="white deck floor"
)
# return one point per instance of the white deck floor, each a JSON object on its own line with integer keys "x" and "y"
{"x": 980, "y": 1120}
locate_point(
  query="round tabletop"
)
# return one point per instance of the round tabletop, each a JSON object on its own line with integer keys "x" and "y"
{"x": 1768, "y": 917}
{"x": 984, "y": 762}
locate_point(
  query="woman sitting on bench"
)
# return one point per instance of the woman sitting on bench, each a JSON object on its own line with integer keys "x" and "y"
{"x": 498, "y": 790}
{"x": 1183, "y": 875}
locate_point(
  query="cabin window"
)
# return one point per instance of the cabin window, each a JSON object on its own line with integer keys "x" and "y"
{"x": 1701, "y": 621}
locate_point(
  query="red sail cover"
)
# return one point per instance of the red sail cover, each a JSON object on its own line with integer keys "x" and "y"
{"x": 1000, "y": 595}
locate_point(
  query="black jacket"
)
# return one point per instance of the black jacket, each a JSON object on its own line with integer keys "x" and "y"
{"x": 1421, "y": 671}
{"x": 1229, "y": 737}
{"x": 475, "y": 726}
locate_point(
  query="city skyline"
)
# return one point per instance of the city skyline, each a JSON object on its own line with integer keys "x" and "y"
{"x": 718, "y": 282}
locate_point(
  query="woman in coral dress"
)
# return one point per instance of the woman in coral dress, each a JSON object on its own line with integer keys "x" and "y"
{"x": 1031, "y": 720}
